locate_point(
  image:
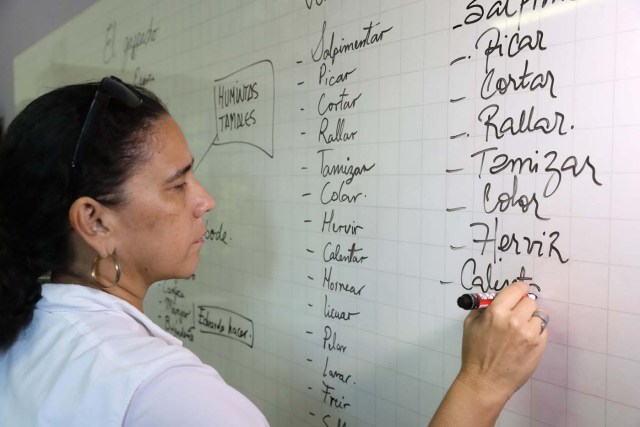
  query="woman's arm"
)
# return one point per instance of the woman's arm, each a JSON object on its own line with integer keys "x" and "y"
{"x": 501, "y": 347}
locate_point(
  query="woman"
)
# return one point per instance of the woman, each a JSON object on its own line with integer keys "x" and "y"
{"x": 99, "y": 201}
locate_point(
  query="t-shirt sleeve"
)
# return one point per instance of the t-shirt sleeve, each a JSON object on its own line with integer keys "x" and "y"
{"x": 191, "y": 396}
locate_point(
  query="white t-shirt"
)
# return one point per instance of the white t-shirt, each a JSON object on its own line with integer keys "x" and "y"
{"x": 91, "y": 359}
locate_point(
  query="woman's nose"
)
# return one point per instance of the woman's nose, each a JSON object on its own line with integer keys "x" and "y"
{"x": 205, "y": 201}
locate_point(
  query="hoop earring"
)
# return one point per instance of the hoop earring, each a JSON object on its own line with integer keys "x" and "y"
{"x": 94, "y": 267}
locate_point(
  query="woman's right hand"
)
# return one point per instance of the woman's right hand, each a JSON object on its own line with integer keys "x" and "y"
{"x": 501, "y": 347}
{"x": 502, "y": 344}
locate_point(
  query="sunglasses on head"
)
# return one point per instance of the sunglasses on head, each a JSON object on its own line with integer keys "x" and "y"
{"x": 110, "y": 87}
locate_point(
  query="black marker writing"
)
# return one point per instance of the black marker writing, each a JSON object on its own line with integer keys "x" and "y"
{"x": 525, "y": 80}
{"x": 518, "y": 244}
{"x": 526, "y": 123}
{"x": 344, "y": 102}
{"x": 506, "y": 200}
{"x": 328, "y": 196}
{"x": 327, "y": 78}
{"x": 487, "y": 282}
{"x": 517, "y": 43}
{"x": 340, "y": 134}
{"x": 331, "y": 313}
{"x": 329, "y": 342}
{"x": 337, "y": 375}
{"x": 337, "y": 286}
{"x": 329, "y": 225}
{"x": 322, "y": 54}
{"x": 334, "y": 253}
{"x": 500, "y": 8}
{"x": 327, "y": 169}
{"x": 109, "y": 49}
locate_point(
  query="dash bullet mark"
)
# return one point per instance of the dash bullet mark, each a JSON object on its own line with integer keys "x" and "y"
{"x": 459, "y": 59}
{"x": 460, "y": 135}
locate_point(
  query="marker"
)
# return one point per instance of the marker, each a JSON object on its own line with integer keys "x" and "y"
{"x": 474, "y": 301}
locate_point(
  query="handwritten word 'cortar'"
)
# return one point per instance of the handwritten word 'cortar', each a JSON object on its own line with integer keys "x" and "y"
{"x": 526, "y": 80}
{"x": 341, "y": 104}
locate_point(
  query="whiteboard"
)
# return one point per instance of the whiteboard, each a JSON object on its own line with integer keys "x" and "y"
{"x": 371, "y": 161}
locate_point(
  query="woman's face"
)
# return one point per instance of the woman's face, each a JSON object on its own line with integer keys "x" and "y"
{"x": 160, "y": 227}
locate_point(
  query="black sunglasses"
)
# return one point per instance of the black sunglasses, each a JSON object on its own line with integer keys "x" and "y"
{"x": 110, "y": 87}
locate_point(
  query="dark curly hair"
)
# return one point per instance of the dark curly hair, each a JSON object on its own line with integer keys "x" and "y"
{"x": 35, "y": 185}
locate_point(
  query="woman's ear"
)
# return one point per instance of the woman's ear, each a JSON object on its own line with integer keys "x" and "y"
{"x": 91, "y": 220}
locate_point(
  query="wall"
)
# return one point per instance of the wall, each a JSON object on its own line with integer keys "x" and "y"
{"x": 23, "y": 23}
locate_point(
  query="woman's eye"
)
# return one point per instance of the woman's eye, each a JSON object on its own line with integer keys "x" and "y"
{"x": 181, "y": 186}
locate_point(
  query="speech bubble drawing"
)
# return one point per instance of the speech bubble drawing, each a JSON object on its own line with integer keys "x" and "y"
{"x": 244, "y": 107}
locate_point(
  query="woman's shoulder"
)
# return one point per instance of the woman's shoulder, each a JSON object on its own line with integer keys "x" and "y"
{"x": 96, "y": 350}
{"x": 193, "y": 396}
{"x": 117, "y": 332}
